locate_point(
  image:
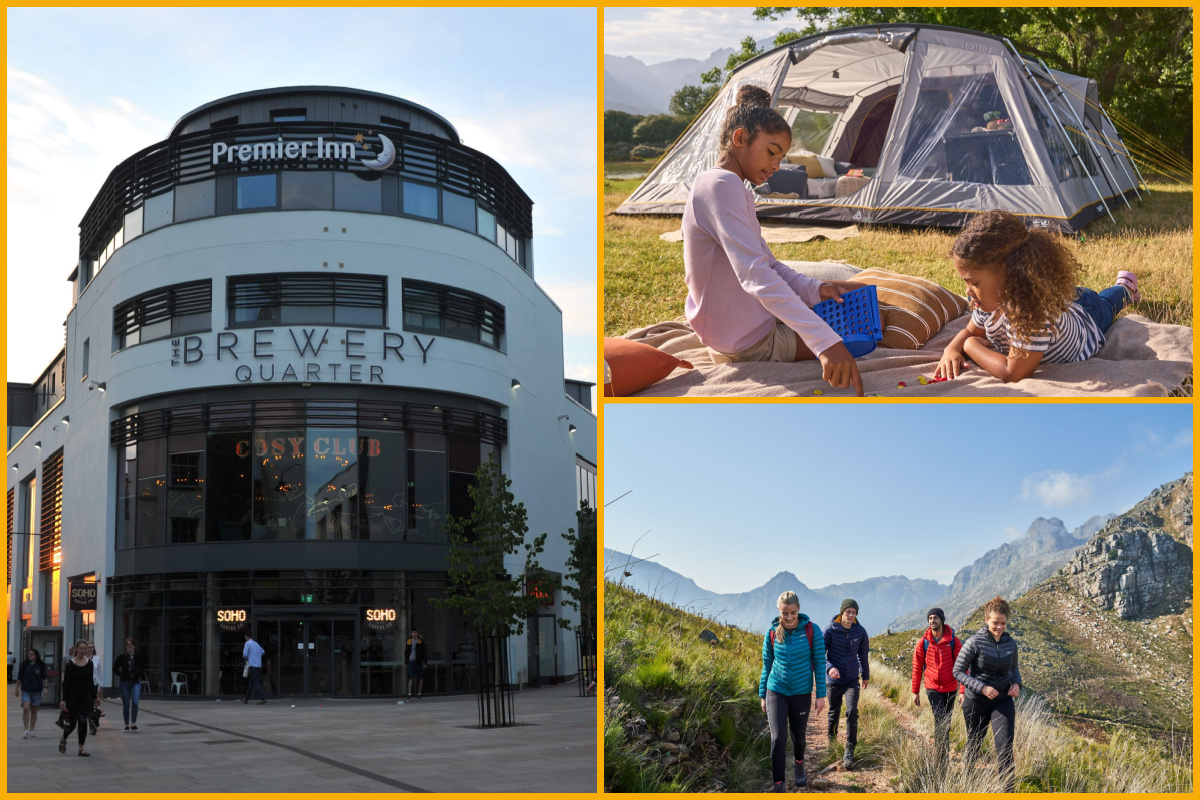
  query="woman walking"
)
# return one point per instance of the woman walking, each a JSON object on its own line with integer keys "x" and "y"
{"x": 78, "y": 700}
{"x": 129, "y": 671}
{"x": 97, "y": 688}
{"x": 987, "y": 667}
{"x": 793, "y": 662}
{"x": 31, "y": 677}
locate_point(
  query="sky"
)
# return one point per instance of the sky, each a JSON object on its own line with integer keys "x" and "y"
{"x": 733, "y": 494}
{"x": 652, "y": 35}
{"x": 89, "y": 87}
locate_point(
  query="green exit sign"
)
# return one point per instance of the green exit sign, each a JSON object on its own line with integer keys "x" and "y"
{"x": 306, "y": 598}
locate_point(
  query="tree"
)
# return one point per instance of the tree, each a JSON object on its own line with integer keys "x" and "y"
{"x": 659, "y": 128}
{"x": 1140, "y": 58}
{"x": 618, "y": 125}
{"x": 496, "y": 602}
{"x": 690, "y": 100}
{"x": 580, "y": 579}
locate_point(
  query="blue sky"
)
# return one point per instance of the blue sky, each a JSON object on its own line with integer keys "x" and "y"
{"x": 89, "y": 87}
{"x": 664, "y": 34}
{"x": 733, "y": 494}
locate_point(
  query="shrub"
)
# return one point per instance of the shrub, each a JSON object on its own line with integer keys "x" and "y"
{"x": 659, "y": 129}
{"x": 646, "y": 151}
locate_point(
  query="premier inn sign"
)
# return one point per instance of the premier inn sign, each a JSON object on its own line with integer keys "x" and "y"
{"x": 231, "y": 153}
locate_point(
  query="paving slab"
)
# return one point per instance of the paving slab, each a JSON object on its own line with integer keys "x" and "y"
{"x": 319, "y": 745}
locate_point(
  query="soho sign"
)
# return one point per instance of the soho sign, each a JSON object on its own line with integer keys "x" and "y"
{"x": 308, "y": 344}
{"x": 298, "y": 150}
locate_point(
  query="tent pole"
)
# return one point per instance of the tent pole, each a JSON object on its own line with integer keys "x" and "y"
{"x": 1145, "y": 185}
{"x": 1083, "y": 130}
{"x": 1062, "y": 128}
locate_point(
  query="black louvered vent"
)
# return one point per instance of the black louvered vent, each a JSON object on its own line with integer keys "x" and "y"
{"x": 12, "y": 504}
{"x": 261, "y": 299}
{"x": 450, "y": 312}
{"x": 160, "y": 305}
{"x": 51, "y": 539}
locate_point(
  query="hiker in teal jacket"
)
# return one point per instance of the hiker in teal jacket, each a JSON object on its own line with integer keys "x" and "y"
{"x": 793, "y": 662}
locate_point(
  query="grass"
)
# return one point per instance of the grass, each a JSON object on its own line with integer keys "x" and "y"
{"x": 643, "y": 275}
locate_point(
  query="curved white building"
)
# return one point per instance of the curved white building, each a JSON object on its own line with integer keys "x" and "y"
{"x": 300, "y": 323}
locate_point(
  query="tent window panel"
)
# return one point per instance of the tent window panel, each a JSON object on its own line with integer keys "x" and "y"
{"x": 961, "y": 131}
{"x": 1062, "y": 163}
{"x": 811, "y": 130}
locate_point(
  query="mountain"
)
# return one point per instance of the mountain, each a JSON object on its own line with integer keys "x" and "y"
{"x": 1108, "y": 637}
{"x": 633, "y": 86}
{"x": 1009, "y": 570}
{"x": 879, "y": 599}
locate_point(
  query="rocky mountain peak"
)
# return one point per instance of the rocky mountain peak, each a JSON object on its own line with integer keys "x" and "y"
{"x": 1141, "y": 562}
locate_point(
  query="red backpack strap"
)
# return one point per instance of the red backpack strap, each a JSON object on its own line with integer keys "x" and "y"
{"x": 771, "y": 633}
{"x": 809, "y": 630}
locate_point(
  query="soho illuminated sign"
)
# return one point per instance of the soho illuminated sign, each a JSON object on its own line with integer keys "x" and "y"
{"x": 279, "y": 150}
{"x": 232, "y": 619}
{"x": 308, "y": 345}
{"x": 380, "y": 619}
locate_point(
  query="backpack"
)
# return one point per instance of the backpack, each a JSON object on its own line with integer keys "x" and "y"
{"x": 808, "y": 629}
{"x": 925, "y": 644}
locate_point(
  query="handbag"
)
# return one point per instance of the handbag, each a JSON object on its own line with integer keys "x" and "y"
{"x": 246, "y": 670}
{"x": 64, "y": 719}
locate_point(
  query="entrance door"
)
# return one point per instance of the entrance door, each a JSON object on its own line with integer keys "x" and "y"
{"x": 311, "y": 656}
{"x": 543, "y": 649}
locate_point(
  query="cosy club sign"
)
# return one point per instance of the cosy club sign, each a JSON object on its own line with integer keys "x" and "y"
{"x": 322, "y": 446}
{"x": 305, "y": 355}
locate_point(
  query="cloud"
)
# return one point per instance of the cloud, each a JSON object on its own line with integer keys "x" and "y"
{"x": 577, "y": 299}
{"x": 1057, "y": 488}
{"x": 1182, "y": 440}
{"x": 663, "y": 34}
{"x": 1011, "y": 532}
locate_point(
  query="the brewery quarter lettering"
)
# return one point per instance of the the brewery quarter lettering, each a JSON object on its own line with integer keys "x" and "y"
{"x": 307, "y": 343}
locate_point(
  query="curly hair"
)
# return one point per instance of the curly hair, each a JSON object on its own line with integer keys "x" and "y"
{"x": 1039, "y": 271}
{"x": 997, "y": 605}
{"x": 752, "y": 111}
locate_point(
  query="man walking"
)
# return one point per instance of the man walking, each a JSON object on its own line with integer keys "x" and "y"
{"x": 846, "y": 648}
{"x": 416, "y": 662}
{"x": 252, "y": 652}
{"x": 934, "y": 658}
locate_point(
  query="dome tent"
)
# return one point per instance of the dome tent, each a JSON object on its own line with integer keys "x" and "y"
{"x": 943, "y": 122}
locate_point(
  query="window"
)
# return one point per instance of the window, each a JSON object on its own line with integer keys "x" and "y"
{"x": 420, "y": 200}
{"x": 585, "y": 482}
{"x": 301, "y": 299}
{"x": 174, "y": 310}
{"x": 255, "y": 191}
{"x": 393, "y": 122}
{"x": 352, "y": 193}
{"x": 455, "y": 313}
{"x": 306, "y": 189}
{"x": 487, "y": 224}
{"x": 289, "y": 115}
{"x": 87, "y": 351}
{"x": 195, "y": 200}
{"x": 458, "y": 211}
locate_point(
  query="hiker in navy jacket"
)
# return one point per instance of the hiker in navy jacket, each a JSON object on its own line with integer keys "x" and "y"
{"x": 793, "y": 658}
{"x": 933, "y": 666}
{"x": 846, "y": 648}
{"x": 987, "y": 667}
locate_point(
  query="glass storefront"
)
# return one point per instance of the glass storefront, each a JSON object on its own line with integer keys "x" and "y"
{"x": 324, "y": 633}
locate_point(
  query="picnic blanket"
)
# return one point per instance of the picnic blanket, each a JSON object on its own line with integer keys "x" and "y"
{"x": 775, "y": 233}
{"x": 1140, "y": 358}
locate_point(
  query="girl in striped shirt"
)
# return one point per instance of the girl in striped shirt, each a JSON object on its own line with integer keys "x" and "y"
{"x": 1026, "y": 308}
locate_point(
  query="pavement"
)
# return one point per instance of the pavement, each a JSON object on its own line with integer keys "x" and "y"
{"x": 319, "y": 745}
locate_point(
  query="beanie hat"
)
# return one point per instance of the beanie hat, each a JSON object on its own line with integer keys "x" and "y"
{"x": 849, "y": 602}
{"x": 941, "y": 614}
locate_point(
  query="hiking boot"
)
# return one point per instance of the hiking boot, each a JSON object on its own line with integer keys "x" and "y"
{"x": 848, "y": 758}
{"x": 801, "y": 775}
{"x": 779, "y": 787}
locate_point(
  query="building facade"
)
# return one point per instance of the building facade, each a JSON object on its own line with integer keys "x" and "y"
{"x": 300, "y": 324}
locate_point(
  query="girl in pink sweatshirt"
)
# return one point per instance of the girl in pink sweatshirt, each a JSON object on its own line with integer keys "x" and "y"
{"x": 743, "y": 303}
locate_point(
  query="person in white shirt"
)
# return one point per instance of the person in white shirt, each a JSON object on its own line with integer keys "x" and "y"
{"x": 98, "y": 687}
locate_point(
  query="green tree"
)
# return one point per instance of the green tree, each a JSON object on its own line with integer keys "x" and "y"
{"x": 659, "y": 128}
{"x": 1140, "y": 58}
{"x": 580, "y": 579}
{"x": 481, "y": 588}
{"x": 690, "y": 100}
{"x": 618, "y": 125}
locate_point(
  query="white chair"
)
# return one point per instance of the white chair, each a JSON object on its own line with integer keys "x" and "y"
{"x": 146, "y": 686}
{"x": 179, "y": 683}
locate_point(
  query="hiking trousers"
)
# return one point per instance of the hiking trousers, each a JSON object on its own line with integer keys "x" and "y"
{"x": 942, "y": 706}
{"x": 850, "y": 693}
{"x": 1001, "y": 714}
{"x": 784, "y": 711}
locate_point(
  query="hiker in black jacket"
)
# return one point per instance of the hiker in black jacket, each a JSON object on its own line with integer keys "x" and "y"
{"x": 987, "y": 667}
{"x": 846, "y": 649}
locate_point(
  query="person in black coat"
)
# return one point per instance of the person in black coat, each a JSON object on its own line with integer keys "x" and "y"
{"x": 846, "y": 657}
{"x": 414, "y": 654}
{"x": 31, "y": 679}
{"x": 78, "y": 695}
{"x": 987, "y": 667}
{"x": 129, "y": 671}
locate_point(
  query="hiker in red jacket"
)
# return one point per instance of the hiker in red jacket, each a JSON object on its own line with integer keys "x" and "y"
{"x": 934, "y": 658}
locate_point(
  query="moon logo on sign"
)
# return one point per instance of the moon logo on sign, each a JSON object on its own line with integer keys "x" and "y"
{"x": 386, "y": 157}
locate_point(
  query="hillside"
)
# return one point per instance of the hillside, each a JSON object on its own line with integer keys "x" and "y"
{"x": 682, "y": 715}
{"x": 1008, "y": 570}
{"x": 880, "y": 599}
